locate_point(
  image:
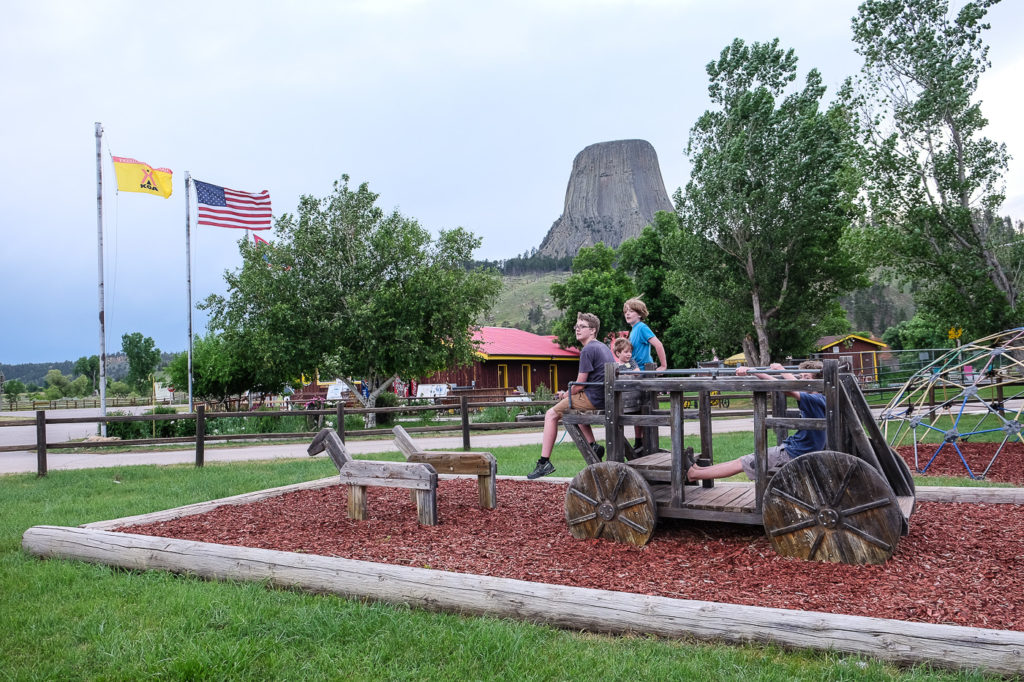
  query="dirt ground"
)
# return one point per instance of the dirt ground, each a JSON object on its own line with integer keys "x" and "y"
{"x": 961, "y": 564}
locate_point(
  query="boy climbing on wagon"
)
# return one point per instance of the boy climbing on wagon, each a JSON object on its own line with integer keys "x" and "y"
{"x": 811, "y": 405}
{"x": 592, "y": 361}
{"x": 642, "y": 339}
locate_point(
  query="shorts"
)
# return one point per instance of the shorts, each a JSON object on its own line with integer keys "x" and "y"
{"x": 777, "y": 456}
{"x": 580, "y": 401}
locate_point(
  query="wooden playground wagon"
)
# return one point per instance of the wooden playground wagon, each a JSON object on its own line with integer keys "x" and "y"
{"x": 849, "y": 503}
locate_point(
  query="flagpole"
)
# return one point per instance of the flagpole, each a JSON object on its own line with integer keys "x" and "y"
{"x": 99, "y": 250}
{"x": 188, "y": 278}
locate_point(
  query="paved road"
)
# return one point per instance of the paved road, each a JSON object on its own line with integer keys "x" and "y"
{"x": 25, "y": 462}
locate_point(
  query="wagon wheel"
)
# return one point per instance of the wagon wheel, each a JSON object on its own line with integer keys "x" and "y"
{"x": 831, "y": 506}
{"x": 611, "y": 500}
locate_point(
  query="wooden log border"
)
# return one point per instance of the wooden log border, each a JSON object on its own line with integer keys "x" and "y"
{"x": 948, "y": 646}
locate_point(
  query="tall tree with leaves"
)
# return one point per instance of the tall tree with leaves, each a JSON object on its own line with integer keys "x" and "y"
{"x": 595, "y": 286}
{"x": 89, "y": 367}
{"x": 760, "y": 255}
{"x": 935, "y": 181}
{"x": 143, "y": 359}
{"x": 353, "y": 292}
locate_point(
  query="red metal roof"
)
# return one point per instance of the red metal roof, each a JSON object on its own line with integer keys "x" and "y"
{"x": 506, "y": 341}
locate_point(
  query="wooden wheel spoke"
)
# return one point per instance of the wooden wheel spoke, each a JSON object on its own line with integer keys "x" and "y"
{"x": 842, "y": 487}
{"x": 867, "y": 506}
{"x": 632, "y": 524}
{"x": 878, "y": 542}
{"x": 597, "y": 483}
{"x": 583, "y": 496}
{"x": 795, "y": 500}
{"x": 583, "y": 519}
{"x": 793, "y": 527}
{"x": 618, "y": 484}
{"x": 817, "y": 543}
{"x": 631, "y": 503}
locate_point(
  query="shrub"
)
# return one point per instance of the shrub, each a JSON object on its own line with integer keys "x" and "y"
{"x": 386, "y": 399}
{"x": 494, "y": 414}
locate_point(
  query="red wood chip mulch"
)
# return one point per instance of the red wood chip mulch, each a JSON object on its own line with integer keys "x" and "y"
{"x": 961, "y": 564}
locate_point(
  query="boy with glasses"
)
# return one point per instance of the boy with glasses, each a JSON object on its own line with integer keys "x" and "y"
{"x": 592, "y": 360}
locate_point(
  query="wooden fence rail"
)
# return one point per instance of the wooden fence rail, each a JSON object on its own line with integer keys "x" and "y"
{"x": 465, "y": 404}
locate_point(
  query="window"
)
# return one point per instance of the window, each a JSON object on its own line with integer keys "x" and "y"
{"x": 527, "y": 382}
{"x": 502, "y": 376}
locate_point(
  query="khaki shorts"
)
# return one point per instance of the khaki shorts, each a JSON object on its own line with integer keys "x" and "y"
{"x": 777, "y": 456}
{"x": 580, "y": 401}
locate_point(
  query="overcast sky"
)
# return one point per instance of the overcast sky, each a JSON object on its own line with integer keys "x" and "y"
{"x": 458, "y": 113}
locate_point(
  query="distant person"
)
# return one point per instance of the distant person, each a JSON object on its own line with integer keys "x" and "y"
{"x": 642, "y": 339}
{"x": 592, "y": 361}
{"x": 811, "y": 405}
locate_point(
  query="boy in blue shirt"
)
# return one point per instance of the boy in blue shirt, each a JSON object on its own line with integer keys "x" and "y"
{"x": 812, "y": 406}
{"x": 642, "y": 339}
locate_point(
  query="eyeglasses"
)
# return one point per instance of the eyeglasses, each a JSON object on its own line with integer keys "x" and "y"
{"x": 583, "y": 326}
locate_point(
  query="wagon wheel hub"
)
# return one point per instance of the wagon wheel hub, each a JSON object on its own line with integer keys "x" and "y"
{"x": 828, "y": 518}
{"x": 606, "y": 510}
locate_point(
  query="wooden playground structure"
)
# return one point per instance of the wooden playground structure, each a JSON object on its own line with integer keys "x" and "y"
{"x": 849, "y": 503}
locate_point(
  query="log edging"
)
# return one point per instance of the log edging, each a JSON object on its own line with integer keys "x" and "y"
{"x": 948, "y": 646}
{"x": 1000, "y": 651}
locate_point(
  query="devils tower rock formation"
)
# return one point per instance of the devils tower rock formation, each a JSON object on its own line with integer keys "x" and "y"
{"x": 614, "y": 190}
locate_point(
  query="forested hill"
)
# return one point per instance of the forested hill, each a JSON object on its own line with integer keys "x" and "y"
{"x": 35, "y": 372}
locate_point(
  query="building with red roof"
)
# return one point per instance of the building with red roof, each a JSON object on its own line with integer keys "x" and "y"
{"x": 509, "y": 358}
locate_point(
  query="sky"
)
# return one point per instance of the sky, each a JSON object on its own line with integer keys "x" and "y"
{"x": 457, "y": 112}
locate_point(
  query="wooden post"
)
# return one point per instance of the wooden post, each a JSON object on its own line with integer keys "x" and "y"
{"x": 613, "y": 439}
{"x": 200, "y": 434}
{"x": 340, "y": 413}
{"x": 357, "y": 502}
{"x": 676, "y": 412}
{"x": 41, "y": 443}
{"x": 760, "y": 447}
{"x": 833, "y": 417}
{"x": 652, "y": 441}
{"x": 779, "y": 409}
{"x": 464, "y": 413}
{"x": 706, "y": 447}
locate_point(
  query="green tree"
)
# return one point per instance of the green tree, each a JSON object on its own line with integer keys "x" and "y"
{"x": 595, "y": 286}
{"x": 12, "y": 389}
{"x": 760, "y": 257}
{"x": 356, "y": 293}
{"x": 89, "y": 367}
{"x": 917, "y": 332}
{"x": 143, "y": 358}
{"x": 935, "y": 181}
{"x": 57, "y": 384}
{"x": 219, "y": 370}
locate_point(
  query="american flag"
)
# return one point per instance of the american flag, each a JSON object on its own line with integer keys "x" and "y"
{"x": 223, "y": 207}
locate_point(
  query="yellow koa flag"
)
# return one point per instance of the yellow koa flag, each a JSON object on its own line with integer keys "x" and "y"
{"x": 135, "y": 176}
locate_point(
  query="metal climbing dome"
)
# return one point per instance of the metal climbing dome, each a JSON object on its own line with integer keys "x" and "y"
{"x": 975, "y": 389}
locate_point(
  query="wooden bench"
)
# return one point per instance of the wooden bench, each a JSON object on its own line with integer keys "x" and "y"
{"x": 481, "y": 464}
{"x": 419, "y": 478}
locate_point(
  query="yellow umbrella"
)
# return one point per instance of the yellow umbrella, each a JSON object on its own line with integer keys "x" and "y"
{"x": 734, "y": 360}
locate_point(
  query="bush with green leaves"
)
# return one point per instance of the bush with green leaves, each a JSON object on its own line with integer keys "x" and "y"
{"x": 386, "y": 399}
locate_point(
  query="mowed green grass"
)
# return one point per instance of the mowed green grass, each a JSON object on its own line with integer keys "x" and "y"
{"x": 77, "y": 621}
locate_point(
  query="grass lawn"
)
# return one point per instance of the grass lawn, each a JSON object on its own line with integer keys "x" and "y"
{"x": 72, "y": 620}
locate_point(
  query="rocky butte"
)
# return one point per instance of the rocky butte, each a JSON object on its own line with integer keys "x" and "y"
{"x": 614, "y": 191}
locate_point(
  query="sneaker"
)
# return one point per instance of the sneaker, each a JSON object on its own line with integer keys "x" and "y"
{"x": 638, "y": 451}
{"x": 598, "y": 451}
{"x": 544, "y": 467}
